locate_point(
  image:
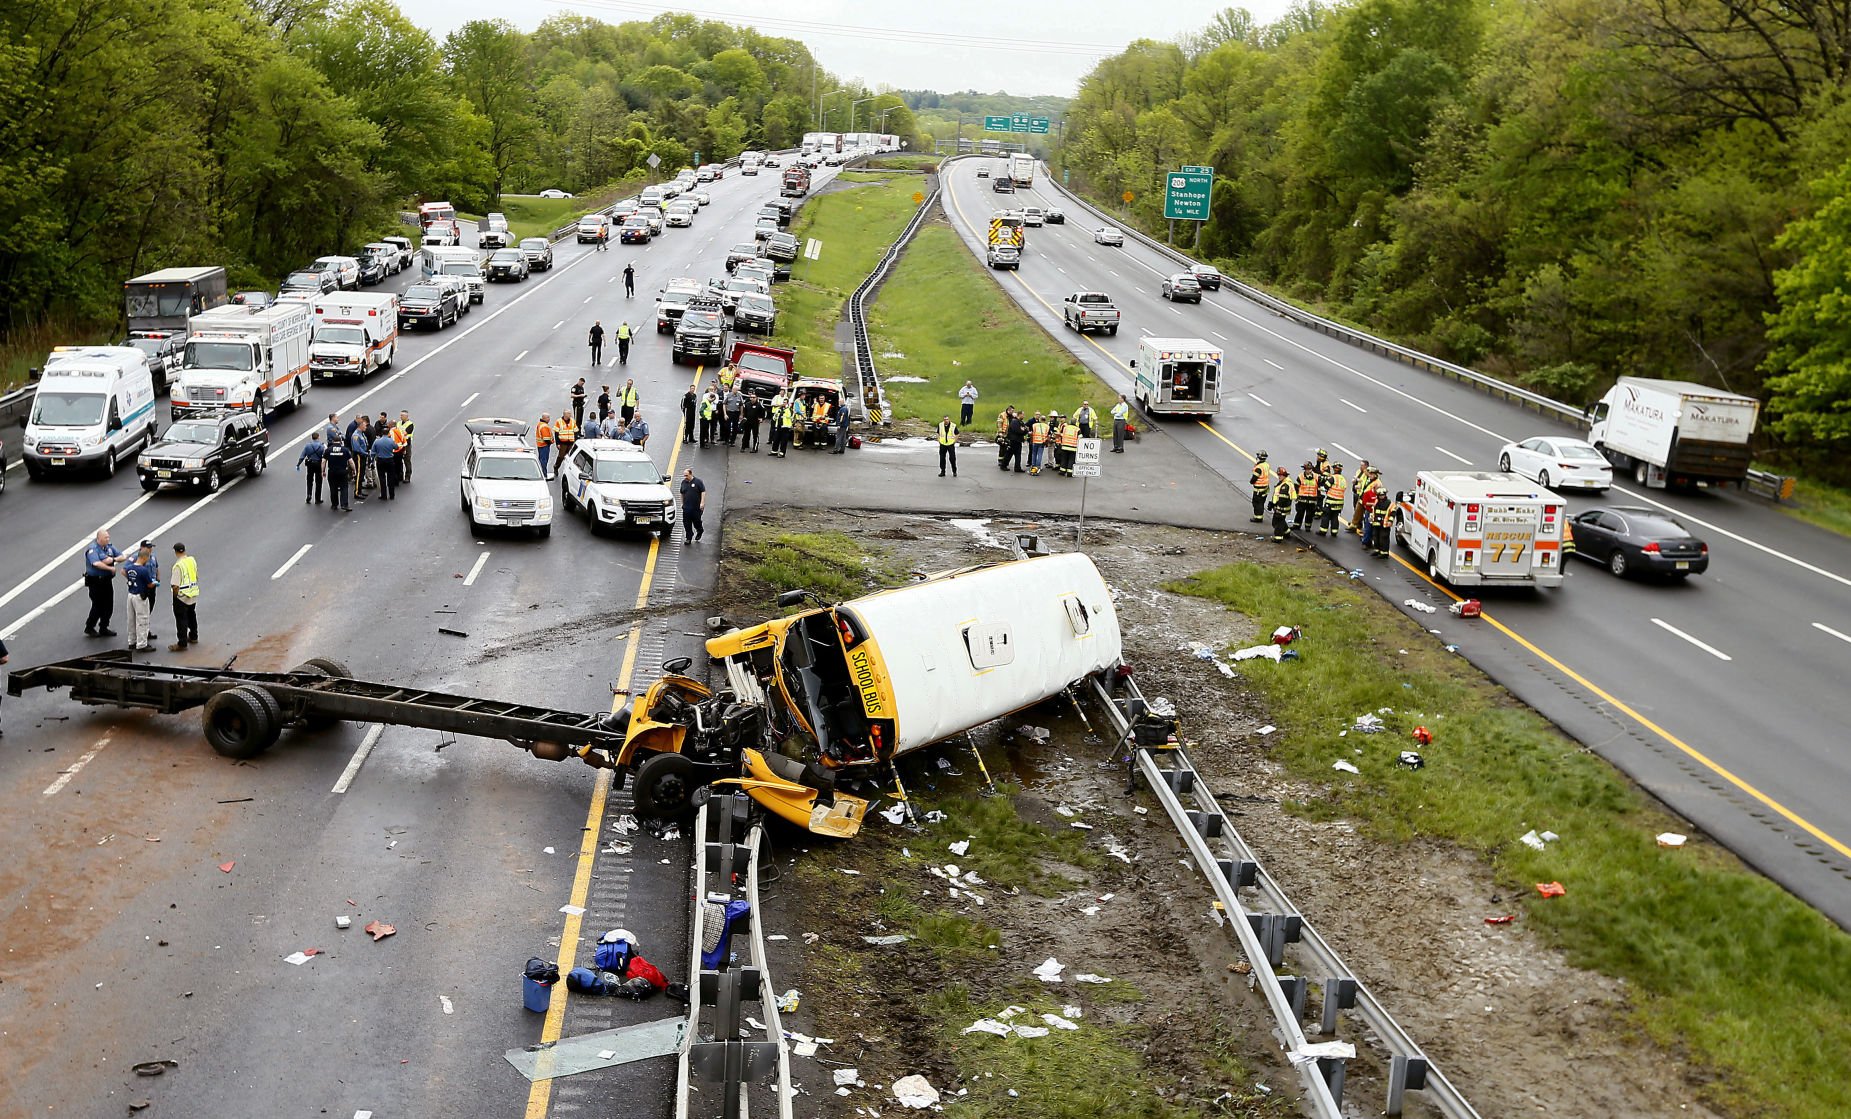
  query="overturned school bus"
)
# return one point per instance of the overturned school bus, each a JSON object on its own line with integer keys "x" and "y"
{"x": 835, "y": 689}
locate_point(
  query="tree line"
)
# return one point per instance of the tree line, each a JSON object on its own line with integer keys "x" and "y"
{"x": 259, "y": 134}
{"x": 1557, "y": 193}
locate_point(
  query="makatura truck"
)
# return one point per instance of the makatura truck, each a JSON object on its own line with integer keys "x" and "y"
{"x": 244, "y": 358}
{"x": 1178, "y": 376}
{"x": 1674, "y": 432}
{"x": 837, "y": 689}
{"x": 1477, "y": 528}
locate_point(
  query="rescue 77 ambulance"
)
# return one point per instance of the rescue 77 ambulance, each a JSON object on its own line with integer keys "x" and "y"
{"x": 1476, "y": 528}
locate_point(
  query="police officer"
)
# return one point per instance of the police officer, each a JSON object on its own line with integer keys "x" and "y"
{"x": 385, "y": 460}
{"x": 338, "y": 460}
{"x": 693, "y": 505}
{"x": 186, "y": 600}
{"x": 311, "y": 456}
{"x": 629, "y": 281}
{"x": 749, "y": 418}
{"x": 596, "y": 338}
{"x": 628, "y": 400}
{"x": 1259, "y": 481}
{"x": 689, "y": 402}
{"x": 1018, "y": 435}
{"x": 101, "y": 562}
{"x": 578, "y": 394}
{"x": 947, "y": 446}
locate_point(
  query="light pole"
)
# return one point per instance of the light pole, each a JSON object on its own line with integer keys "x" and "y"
{"x": 851, "y": 111}
{"x": 882, "y": 126}
{"x": 821, "y": 114}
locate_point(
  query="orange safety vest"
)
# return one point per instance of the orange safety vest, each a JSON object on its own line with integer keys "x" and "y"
{"x": 820, "y": 413}
{"x": 1070, "y": 436}
{"x": 1257, "y": 479}
{"x": 544, "y": 434}
{"x": 1039, "y": 432}
{"x": 1308, "y": 485}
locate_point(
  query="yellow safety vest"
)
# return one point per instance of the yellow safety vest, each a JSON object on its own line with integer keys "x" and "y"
{"x": 788, "y": 418}
{"x": 707, "y": 407}
{"x": 726, "y": 376}
{"x": 186, "y": 579}
{"x": 1121, "y": 410}
{"x": 623, "y": 332}
{"x": 630, "y": 396}
{"x": 1333, "y": 492}
{"x": 947, "y": 434}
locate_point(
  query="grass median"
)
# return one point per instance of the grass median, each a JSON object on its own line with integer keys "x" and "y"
{"x": 853, "y": 225}
{"x": 945, "y": 321}
{"x": 1726, "y": 965}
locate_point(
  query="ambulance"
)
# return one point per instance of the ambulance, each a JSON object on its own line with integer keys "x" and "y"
{"x": 244, "y": 358}
{"x": 93, "y": 409}
{"x": 1476, "y": 528}
{"x": 354, "y": 335}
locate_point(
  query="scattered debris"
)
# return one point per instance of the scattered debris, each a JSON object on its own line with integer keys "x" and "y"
{"x": 849, "y": 1076}
{"x": 1345, "y": 767}
{"x": 1409, "y": 759}
{"x": 343, "y": 921}
{"x": 1270, "y": 652}
{"x": 448, "y": 1006}
{"x": 1322, "y": 1050}
{"x": 624, "y": 824}
{"x": 1063, "y": 810}
{"x": 1266, "y": 730}
{"x": 1080, "y": 826}
{"x": 153, "y": 1068}
{"x": 302, "y": 957}
{"x": 1368, "y": 724}
{"x": 913, "y": 1091}
{"x": 1058, "y": 1022}
{"x": 1467, "y": 608}
{"x": 960, "y": 848}
{"x": 572, "y": 910}
{"x": 1285, "y": 635}
{"x": 1089, "y": 977}
{"x": 777, "y": 936}
{"x": 1670, "y": 839}
{"x": 839, "y": 870}
{"x": 1504, "y": 920}
{"x": 894, "y": 813}
{"x": 618, "y": 847}
{"x": 226, "y": 867}
{"x": 988, "y": 1026}
{"x": 451, "y": 632}
{"x": 1049, "y": 970}
{"x": 1031, "y": 1031}
{"x": 238, "y": 800}
{"x": 1551, "y": 889}
{"x": 548, "y": 851}
{"x": 1423, "y": 607}
{"x": 1140, "y": 810}
{"x": 378, "y": 930}
{"x": 883, "y": 941}
{"x": 1423, "y": 736}
{"x": 789, "y": 1001}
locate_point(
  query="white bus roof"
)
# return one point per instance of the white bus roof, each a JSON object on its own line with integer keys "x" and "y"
{"x": 178, "y": 275}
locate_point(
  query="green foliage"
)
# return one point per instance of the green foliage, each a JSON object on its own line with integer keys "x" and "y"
{"x": 1543, "y": 189}
{"x": 1727, "y": 966}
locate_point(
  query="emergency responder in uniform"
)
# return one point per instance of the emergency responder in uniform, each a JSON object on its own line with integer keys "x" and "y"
{"x": 1366, "y": 502}
{"x": 1305, "y": 509}
{"x": 947, "y": 446}
{"x": 749, "y": 419}
{"x": 690, "y": 402}
{"x": 1038, "y": 432}
{"x": 338, "y": 458}
{"x": 628, "y": 400}
{"x": 1069, "y": 445}
{"x": 312, "y": 452}
{"x": 710, "y": 411}
{"x": 1283, "y": 493}
{"x": 784, "y": 421}
{"x": 1356, "y": 496}
{"x": 1323, "y": 460}
{"x": 1381, "y": 525}
{"x": 409, "y": 431}
{"x": 1084, "y": 419}
{"x": 1018, "y": 435}
{"x": 623, "y": 343}
{"x": 1121, "y": 420}
{"x": 1259, "y": 481}
{"x": 1334, "y": 488}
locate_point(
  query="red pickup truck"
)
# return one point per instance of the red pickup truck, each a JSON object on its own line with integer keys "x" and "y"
{"x": 764, "y": 371}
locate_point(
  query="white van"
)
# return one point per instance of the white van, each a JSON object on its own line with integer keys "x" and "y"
{"x": 463, "y": 264}
{"x": 93, "y": 409}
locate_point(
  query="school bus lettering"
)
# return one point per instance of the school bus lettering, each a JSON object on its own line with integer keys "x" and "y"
{"x": 867, "y": 682}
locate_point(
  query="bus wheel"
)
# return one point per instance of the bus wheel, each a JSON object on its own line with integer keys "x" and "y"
{"x": 664, "y": 786}
{"x": 243, "y": 722}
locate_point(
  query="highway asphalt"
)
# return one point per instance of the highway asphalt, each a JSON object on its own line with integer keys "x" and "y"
{"x": 126, "y": 941}
{"x": 1722, "y": 695}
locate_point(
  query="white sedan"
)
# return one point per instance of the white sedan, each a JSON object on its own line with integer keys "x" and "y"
{"x": 555, "y": 192}
{"x": 1106, "y": 235}
{"x": 701, "y": 196}
{"x": 1557, "y": 463}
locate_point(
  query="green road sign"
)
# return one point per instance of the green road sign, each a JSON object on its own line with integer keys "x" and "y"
{"x": 1016, "y": 122}
{"x": 1192, "y": 169}
{"x": 996, "y": 124}
{"x": 1186, "y": 193}
{"x": 1038, "y": 124}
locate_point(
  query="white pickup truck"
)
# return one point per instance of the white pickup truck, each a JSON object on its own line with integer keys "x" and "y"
{"x": 1089, "y": 310}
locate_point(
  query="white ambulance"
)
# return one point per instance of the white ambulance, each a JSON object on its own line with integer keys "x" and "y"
{"x": 354, "y": 334}
{"x": 1476, "y": 528}
{"x": 93, "y": 409}
{"x": 244, "y": 358}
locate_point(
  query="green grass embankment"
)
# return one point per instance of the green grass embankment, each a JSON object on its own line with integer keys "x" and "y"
{"x": 854, "y": 227}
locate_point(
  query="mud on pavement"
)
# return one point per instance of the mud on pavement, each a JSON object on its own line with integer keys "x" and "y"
{"x": 1067, "y": 868}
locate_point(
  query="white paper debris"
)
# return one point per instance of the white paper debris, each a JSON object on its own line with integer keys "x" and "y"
{"x": 1267, "y": 729}
{"x": 1345, "y": 767}
{"x": 913, "y": 1091}
{"x": 297, "y": 958}
{"x": 1058, "y": 1022}
{"x": 987, "y": 1026}
{"x": 777, "y": 936}
{"x": 624, "y": 824}
{"x": 448, "y": 1006}
{"x": 1270, "y": 652}
{"x": 1009, "y": 1012}
{"x": 1073, "y": 1011}
{"x": 851, "y": 873}
{"x": 1082, "y": 827}
{"x": 548, "y": 851}
{"x": 847, "y": 1076}
{"x": 1341, "y": 1050}
{"x": 960, "y": 848}
{"x": 804, "y": 1049}
{"x": 1063, "y": 810}
{"x": 1091, "y": 911}
{"x": 1089, "y": 977}
{"x": 1031, "y": 1031}
{"x": 887, "y": 941}
{"x": 1049, "y": 970}
{"x": 894, "y": 813}
{"x": 343, "y": 922}
{"x": 1140, "y": 810}
{"x": 1423, "y": 607}
{"x": 606, "y": 1054}
{"x": 1670, "y": 839}
{"x": 1531, "y": 839}
{"x": 572, "y": 910}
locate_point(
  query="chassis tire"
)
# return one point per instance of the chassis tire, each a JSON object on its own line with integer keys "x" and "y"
{"x": 243, "y": 722}
{"x": 325, "y": 667}
{"x": 664, "y": 786}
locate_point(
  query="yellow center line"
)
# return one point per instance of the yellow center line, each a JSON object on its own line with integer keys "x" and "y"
{"x": 540, "y": 1092}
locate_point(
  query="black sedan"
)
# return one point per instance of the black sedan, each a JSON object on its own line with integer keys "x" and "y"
{"x": 1208, "y": 276}
{"x": 372, "y": 270}
{"x": 1055, "y": 216}
{"x": 1634, "y": 539}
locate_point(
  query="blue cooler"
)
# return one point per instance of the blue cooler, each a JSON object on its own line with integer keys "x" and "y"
{"x": 536, "y": 995}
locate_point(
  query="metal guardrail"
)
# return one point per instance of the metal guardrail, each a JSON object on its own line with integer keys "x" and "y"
{"x": 1268, "y": 927}
{"x": 1775, "y": 487}
{"x": 726, "y": 854}
{"x": 867, "y": 377}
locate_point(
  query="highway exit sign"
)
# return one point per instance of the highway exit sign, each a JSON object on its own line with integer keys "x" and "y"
{"x": 1186, "y": 193}
{"x": 1016, "y": 122}
{"x": 996, "y": 124}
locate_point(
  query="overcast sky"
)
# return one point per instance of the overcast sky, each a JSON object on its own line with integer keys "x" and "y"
{"x": 947, "y": 45}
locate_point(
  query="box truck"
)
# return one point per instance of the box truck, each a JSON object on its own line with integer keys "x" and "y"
{"x": 1674, "y": 432}
{"x": 1479, "y": 528}
{"x": 244, "y": 358}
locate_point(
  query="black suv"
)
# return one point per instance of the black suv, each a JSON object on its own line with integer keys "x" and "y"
{"x": 433, "y": 305}
{"x": 739, "y": 254}
{"x": 204, "y": 450}
{"x": 701, "y": 333}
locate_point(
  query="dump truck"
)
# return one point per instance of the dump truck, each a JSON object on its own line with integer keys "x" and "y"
{"x": 805, "y": 700}
{"x": 1675, "y": 433}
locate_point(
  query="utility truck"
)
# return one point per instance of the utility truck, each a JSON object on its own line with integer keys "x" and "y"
{"x": 244, "y": 358}
{"x": 1178, "y": 376}
{"x": 1674, "y": 433}
{"x": 1478, "y": 528}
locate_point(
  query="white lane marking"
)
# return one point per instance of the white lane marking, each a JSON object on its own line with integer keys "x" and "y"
{"x": 1272, "y": 363}
{"x": 1219, "y": 335}
{"x": 517, "y": 357}
{"x": 359, "y": 757}
{"x": 466, "y": 403}
{"x": 291, "y": 562}
{"x": 1346, "y": 450}
{"x": 1147, "y": 333}
{"x": 1828, "y": 629}
{"x": 588, "y": 299}
{"x": 1358, "y": 407}
{"x": 559, "y": 324}
{"x": 1450, "y": 455}
{"x": 1708, "y": 648}
{"x": 613, "y": 279}
{"x": 1178, "y": 310}
{"x": 72, "y": 550}
{"x": 469, "y": 580}
{"x": 65, "y": 777}
{"x": 1059, "y": 269}
{"x": 208, "y": 499}
{"x": 1113, "y": 273}
{"x": 1261, "y": 401}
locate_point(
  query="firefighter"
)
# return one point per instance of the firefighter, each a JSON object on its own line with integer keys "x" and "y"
{"x": 1305, "y": 509}
{"x": 1382, "y": 525}
{"x": 1356, "y": 496}
{"x": 1038, "y": 432}
{"x": 1262, "y": 474}
{"x": 1323, "y": 459}
{"x": 1366, "y": 501}
{"x": 1282, "y": 496}
{"x": 1069, "y": 445}
{"x": 1334, "y": 488}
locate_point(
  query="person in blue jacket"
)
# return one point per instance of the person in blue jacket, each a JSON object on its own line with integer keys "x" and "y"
{"x": 385, "y": 456}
